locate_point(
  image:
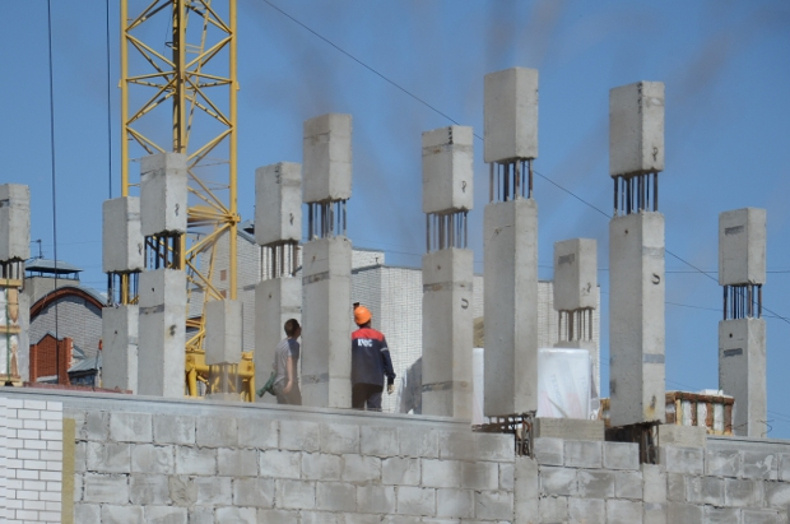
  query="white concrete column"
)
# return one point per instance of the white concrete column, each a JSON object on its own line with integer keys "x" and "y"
{"x": 742, "y": 358}
{"x": 326, "y": 327}
{"x": 636, "y": 318}
{"x": 742, "y": 373}
{"x": 511, "y": 307}
{"x": 447, "y": 333}
{"x": 120, "y": 347}
{"x": 162, "y": 337}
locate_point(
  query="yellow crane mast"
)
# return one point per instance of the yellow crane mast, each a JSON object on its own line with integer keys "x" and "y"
{"x": 178, "y": 68}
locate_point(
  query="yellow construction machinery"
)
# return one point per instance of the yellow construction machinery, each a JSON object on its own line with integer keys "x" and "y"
{"x": 178, "y": 65}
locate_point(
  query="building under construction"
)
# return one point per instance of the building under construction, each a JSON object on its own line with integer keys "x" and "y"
{"x": 175, "y": 432}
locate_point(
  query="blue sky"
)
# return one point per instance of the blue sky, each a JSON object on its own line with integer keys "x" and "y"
{"x": 725, "y": 64}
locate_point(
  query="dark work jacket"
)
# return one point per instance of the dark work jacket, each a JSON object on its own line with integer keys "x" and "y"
{"x": 370, "y": 358}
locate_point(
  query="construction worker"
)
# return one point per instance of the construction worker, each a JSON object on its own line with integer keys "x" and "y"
{"x": 286, "y": 359}
{"x": 370, "y": 363}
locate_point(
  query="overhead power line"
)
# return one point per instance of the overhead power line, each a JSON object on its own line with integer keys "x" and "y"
{"x": 454, "y": 121}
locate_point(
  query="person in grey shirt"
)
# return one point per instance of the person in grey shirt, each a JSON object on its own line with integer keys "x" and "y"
{"x": 286, "y": 360}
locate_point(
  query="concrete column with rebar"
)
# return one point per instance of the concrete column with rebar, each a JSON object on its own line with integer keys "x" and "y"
{"x": 636, "y": 255}
{"x": 510, "y": 243}
{"x": 742, "y": 342}
{"x": 576, "y": 297}
{"x": 447, "y": 319}
{"x": 278, "y": 230}
{"x": 326, "y": 271}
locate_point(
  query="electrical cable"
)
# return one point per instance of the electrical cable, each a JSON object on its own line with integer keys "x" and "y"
{"x": 52, "y": 168}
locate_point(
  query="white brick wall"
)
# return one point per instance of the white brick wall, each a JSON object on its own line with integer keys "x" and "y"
{"x": 31, "y": 460}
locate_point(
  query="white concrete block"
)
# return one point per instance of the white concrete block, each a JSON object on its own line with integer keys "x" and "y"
{"x": 163, "y": 194}
{"x": 447, "y": 333}
{"x": 636, "y": 318}
{"x": 636, "y": 128}
{"x": 326, "y": 359}
{"x": 447, "y": 172}
{"x": 123, "y": 248}
{"x": 223, "y": 331}
{"x": 276, "y": 300}
{"x": 575, "y": 274}
{"x": 511, "y": 307}
{"x": 162, "y": 338}
{"x": 327, "y": 156}
{"x": 278, "y": 203}
{"x": 742, "y": 246}
{"x": 742, "y": 369}
{"x": 14, "y": 222}
{"x": 120, "y": 347}
{"x": 511, "y": 114}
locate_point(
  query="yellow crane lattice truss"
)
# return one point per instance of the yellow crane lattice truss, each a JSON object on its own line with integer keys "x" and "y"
{"x": 178, "y": 94}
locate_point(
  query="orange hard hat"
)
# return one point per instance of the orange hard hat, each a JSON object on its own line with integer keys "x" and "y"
{"x": 362, "y": 315}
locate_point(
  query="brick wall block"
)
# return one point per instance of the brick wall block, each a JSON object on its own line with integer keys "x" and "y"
{"x": 412, "y": 500}
{"x": 217, "y": 432}
{"x": 146, "y": 490}
{"x": 494, "y": 505}
{"x": 507, "y": 475}
{"x": 373, "y": 498}
{"x": 213, "y": 491}
{"x": 705, "y": 490}
{"x": 179, "y": 429}
{"x": 583, "y": 454}
{"x": 237, "y": 515}
{"x": 403, "y": 471}
{"x": 339, "y": 438}
{"x": 628, "y": 484}
{"x": 784, "y": 467}
{"x": 743, "y": 493}
{"x": 777, "y": 495}
{"x": 685, "y": 513}
{"x": 594, "y": 484}
{"x": 120, "y": 515}
{"x": 358, "y": 468}
{"x": 196, "y": 461}
{"x": 441, "y": 473}
{"x": 763, "y": 516}
{"x": 108, "y": 457}
{"x": 300, "y": 435}
{"x": 723, "y": 463}
{"x": 320, "y": 466}
{"x": 681, "y": 460}
{"x": 558, "y": 481}
{"x": 553, "y": 509}
{"x": 379, "y": 441}
{"x": 713, "y": 515}
{"x": 590, "y": 511}
{"x": 418, "y": 442}
{"x": 280, "y": 464}
{"x": 277, "y": 516}
{"x": 549, "y": 451}
{"x": 257, "y": 434}
{"x": 131, "y": 427}
{"x": 169, "y": 514}
{"x": 147, "y": 458}
{"x": 624, "y": 512}
{"x": 456, "y": 503}
{"x": 758, "y": 465}
{"x": 253, "y": 492}
{"x": 237, "y": 462}
{"x": 181, "y": 490}
{"x": 336, "y": 496}
{"x": 294, "y": 494}
{"x": 620, "y": 455}
{"x": 106, "y": 488}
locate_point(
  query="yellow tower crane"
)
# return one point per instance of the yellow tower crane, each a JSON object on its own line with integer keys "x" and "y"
{"x": 178, "y": 65}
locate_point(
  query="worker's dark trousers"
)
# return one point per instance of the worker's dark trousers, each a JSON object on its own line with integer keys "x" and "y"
{"x": 369, "y": 394}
